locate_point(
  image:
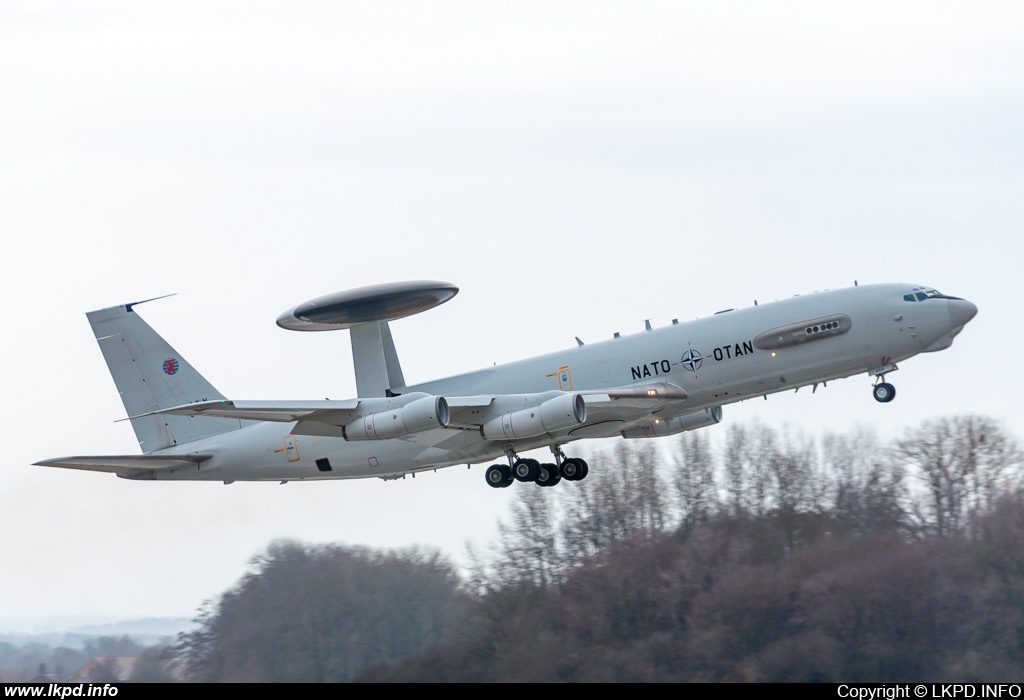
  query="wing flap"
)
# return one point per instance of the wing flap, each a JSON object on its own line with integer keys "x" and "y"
{"x": 126, "y": 464}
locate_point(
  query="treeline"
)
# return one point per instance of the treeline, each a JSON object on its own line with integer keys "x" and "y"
{"x": 325, "y": 614}
{"x": 760, "y": 556}
{"x": 94, "y": 658}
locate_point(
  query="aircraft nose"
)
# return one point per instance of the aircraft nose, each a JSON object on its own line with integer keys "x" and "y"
{"x": 960, "y": 311}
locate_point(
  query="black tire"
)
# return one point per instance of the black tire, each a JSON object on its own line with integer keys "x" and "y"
{"x": 586, "y": 469}
{"x": 497, "y": 476}
{"x": 884, "y": 393}
{"x": 571, "y": 469}
{"x": 526, "y": 469}
{"x": 547, "y": 475}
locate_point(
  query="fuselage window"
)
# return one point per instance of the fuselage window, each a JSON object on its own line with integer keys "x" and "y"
{"x": 909, "y": 297}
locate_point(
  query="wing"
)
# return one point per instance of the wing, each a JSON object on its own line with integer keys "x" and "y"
{"x": 326, "y": 418}
{"x": 274, "y": 411}
{"x": 126, "y": 465}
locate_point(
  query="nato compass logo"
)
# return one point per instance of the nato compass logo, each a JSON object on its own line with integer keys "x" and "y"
{"x": 170, "y": 366}
{"x": 692, "y": 360}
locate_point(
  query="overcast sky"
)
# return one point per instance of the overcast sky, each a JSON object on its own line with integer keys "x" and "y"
{"x": 575, "y": 167}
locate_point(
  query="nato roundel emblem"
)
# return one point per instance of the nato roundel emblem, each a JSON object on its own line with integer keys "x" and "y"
{"x": 692, "y": 360}
{"x": 170, "y": 366}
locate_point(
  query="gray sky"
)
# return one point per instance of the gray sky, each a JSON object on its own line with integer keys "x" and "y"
{"x": 575, "y": 167}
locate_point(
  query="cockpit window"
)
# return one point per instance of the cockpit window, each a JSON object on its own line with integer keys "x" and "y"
{"x": 922, "y": 293}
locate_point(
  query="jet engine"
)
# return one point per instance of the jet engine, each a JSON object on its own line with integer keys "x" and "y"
{"x": 559, "y": 413}
{"x": 679, "y": 424}
{"x": 414, "y": 417}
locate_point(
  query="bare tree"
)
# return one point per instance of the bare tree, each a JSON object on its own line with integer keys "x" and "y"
{"x": 867, "y": 487}
{"x": 529, "y": 550}
{"x": 623, "y": 497}
{"x": 796, "y": 478}
{"x": 746, "y": 469}
{"x": 797, "y": 484}
{"x": 962, "y": 465}
{"x": 694, "y": 480}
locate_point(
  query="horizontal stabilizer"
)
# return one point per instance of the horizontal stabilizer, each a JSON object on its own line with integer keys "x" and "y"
{"x": 126, "y": 464}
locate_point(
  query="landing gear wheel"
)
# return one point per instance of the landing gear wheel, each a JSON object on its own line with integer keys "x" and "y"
{"x": 525, "y": 469}
{"x": 548, "y": 475}
{"x": 498, "y": 476}
{"x": 884, "y": 393}
{"x": 585, "y": 471}
{"x": 571, "y": 469}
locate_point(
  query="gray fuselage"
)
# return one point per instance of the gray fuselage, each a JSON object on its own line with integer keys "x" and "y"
{"x": 714, "y": 359}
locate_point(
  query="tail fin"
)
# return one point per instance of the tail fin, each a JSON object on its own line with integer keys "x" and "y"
{"x": 151, "y": 375}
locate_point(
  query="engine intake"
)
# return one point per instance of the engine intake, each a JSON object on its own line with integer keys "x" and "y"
{"x": 559, "y": 413}
{"x": 414, "y": 417}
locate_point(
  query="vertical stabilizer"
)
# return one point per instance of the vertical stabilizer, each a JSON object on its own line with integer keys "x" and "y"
{"x": 151, "y": 375}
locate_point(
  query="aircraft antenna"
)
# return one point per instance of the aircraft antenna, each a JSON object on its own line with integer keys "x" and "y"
{"x": 128, "y": 307}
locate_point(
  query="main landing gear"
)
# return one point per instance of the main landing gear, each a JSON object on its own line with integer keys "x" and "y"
{"x": 500, "y": 476}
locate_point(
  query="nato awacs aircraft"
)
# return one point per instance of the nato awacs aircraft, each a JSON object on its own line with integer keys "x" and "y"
{"x": 656, "y": 382}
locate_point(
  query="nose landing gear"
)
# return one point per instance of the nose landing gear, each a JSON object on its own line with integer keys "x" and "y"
{"x": 884, "y": 392}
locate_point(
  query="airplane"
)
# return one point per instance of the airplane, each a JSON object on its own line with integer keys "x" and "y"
{"x": 657, "y": 382}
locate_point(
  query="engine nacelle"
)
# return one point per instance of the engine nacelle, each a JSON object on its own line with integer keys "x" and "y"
{"x": 560, "y": 413}
{"x": 679, "y": 424}
{"x": 414, "y": 417}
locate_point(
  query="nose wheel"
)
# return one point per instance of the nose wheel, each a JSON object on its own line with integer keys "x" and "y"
{"x": 884, "y": 392}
